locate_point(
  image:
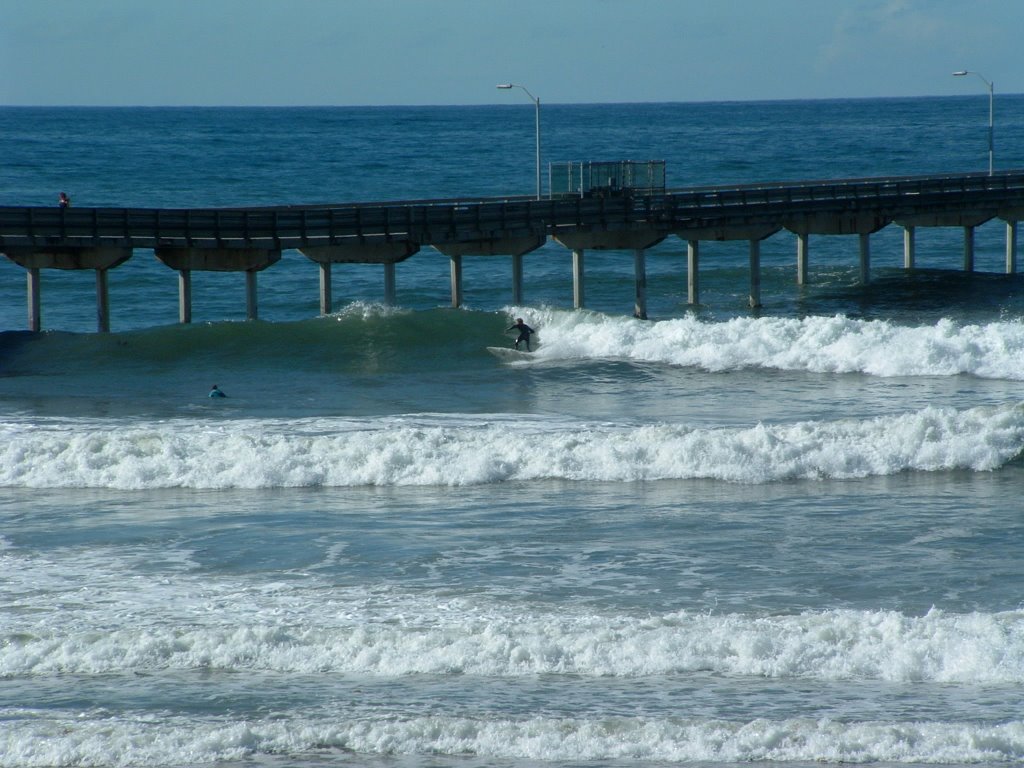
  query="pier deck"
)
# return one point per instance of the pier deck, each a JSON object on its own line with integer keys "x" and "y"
{"x": 251, "y": 239}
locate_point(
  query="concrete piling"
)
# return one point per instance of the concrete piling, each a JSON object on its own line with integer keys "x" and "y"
{"x": 969, "y": 249}
{"x": 909, "y": 247}
{"x": 755, "y": 274}
{"x": 1011, "y": 247}
{"x": 864, "y": 243}
{"x": 577, "y": 279}
{"x": 640, "y": 280}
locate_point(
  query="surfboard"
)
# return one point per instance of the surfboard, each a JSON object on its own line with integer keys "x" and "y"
{"x": 507, "y": 353}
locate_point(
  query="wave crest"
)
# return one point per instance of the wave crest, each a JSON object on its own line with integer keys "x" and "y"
{"x": 460, "y": 450}
{"x": 836, "y": 344}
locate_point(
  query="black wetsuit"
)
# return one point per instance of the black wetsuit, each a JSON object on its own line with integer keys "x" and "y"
{"x": 524, "y": 334}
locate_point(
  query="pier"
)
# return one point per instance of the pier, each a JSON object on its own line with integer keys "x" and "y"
{"x": 251, "y": 240}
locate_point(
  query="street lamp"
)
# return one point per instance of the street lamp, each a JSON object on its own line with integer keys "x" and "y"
{"x": 991, "y": 98}
{"x": 536, "y": 104}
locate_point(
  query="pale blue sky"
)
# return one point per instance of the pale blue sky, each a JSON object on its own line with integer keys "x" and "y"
{"x": 369, "y": 52}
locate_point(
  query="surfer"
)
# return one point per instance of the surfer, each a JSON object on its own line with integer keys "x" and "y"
{"x": 217, "y": 392}
{"x": 524, "y": 332}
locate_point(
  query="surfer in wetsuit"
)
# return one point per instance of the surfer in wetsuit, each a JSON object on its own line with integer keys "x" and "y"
{"x": 524, "y": 332}
{"x": 217, "y": 392}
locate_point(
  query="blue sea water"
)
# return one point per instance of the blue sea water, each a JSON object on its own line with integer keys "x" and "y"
{"x": 789, "y": 536}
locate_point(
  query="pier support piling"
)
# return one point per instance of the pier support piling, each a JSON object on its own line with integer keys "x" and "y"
{"x": 98, "y": 258}
{"x": 517, "y": 278}
{"x": 968, "y": 249}
{"x": 187, "y": 259}
{"x": 102, "y": 302}
{"x": 755, "y": 274}
{"x": 802, "y": 244}
{"x": 752, "y": 233}
{"x": 864, "y": 241}
{"x": 387, "y": 253}
{"x": 456, "y": 280}
{"x": 909, "y": 247}
{"x": 389, "y": 284}
{"x": 640, "y": 271}
{"x": 325, "y": 288}
{"x": 609, "y": 240}
{"x": 1011, "y": 247}
{"x": 516, "y": 247}
{"x": 185, "y": 296}
{"x": 692, "y": 272}
{"x": 251, "y": 307}
{"x": 35, "y": 314}
{"x": 577, "y": 278}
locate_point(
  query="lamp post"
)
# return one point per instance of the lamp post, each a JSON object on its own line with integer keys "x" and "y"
{"x": 991, "y": 99}
{"x": 536, "y": 104}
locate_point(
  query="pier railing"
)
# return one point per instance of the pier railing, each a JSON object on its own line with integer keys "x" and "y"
{"x": 442, "y": 221}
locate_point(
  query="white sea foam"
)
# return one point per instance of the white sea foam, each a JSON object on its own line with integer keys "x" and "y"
{"x": 459, "y": 450}
{"x": 831, "y": 645}
{"x": 93, "y": 614}
{"x": 40, "y": 739}
{"x": 821, "y": 344}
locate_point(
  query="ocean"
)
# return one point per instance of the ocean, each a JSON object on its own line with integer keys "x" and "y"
{"x": 788, "y": 536}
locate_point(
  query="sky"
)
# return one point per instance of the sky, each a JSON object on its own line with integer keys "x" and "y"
{"x": 390, "y": 52}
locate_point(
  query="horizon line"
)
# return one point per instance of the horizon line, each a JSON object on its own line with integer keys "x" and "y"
{"x": 496, "y": 104}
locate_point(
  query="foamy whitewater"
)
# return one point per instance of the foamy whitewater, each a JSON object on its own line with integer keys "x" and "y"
{"x": 826, "y": 345}
{"x": 788, "y": 536}
{"x": 429, "y": 450}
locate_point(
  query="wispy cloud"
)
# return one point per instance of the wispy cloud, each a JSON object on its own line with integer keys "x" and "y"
{"x": 864, "y": 28}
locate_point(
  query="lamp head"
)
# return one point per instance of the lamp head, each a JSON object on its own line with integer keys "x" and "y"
{"x": 961, "y": 73}
{"x": 504, "y": 86}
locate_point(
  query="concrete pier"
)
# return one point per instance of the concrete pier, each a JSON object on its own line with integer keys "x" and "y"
{"x": 516, "y": 247}
{"x": 98, "y": 258}
{"x": 634, "y": 239}
{"x": 845, "y": 221}
{"x": 754, "y": 233}
{"x": 250, "y": 240}
{"x": 387, "y": 253}
{"x": 187, "y": 260}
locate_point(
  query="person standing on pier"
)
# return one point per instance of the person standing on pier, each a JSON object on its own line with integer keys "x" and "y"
{"x": 524, "y": 332}
{"x": 63, "y": 200}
